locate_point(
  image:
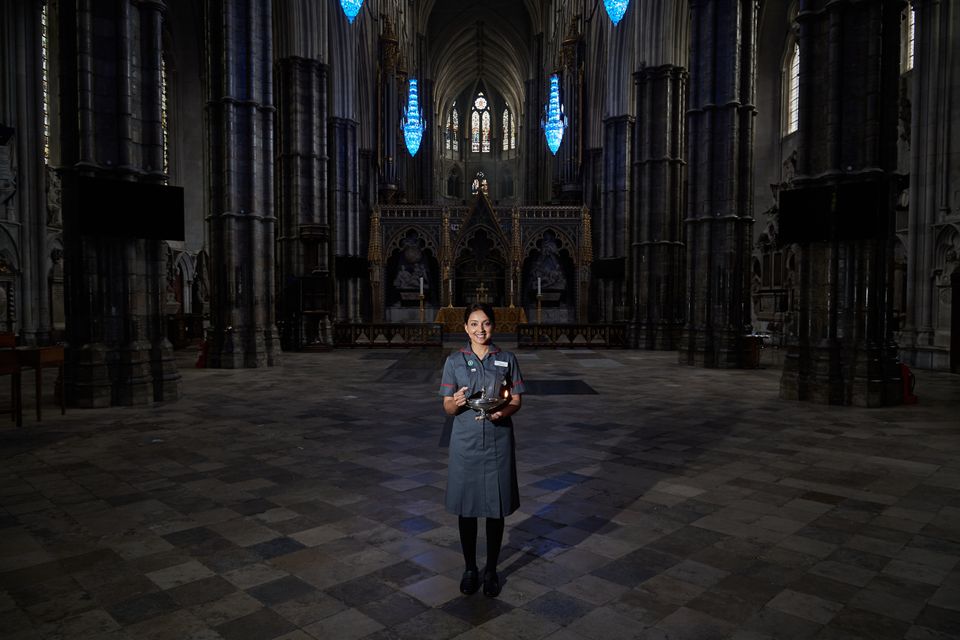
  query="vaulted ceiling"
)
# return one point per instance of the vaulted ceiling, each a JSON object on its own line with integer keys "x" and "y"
{"x": 488, "y": 40}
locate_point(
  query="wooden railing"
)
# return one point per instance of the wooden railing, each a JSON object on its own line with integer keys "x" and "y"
{"x": 386, "y": 335}
{"x": 594, "y": 336}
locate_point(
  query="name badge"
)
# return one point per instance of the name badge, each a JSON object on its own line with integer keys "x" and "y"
{"x": 500, "y": 363}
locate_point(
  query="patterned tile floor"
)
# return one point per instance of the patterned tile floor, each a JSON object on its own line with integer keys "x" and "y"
{"x": 658, "y": 501}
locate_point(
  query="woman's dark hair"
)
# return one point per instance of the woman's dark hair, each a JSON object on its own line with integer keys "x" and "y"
{"x": 479, "y": 306}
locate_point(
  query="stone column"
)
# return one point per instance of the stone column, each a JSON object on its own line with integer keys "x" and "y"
{"x": 719, "y": 196}
{"x": 422, "y": 179}
{"x": 934, "y": 171}
{"x": 344, "y": 207}
{"x": 306, "y": 256}
{"x": 166, "y": 379}
{"x": 656, "y": 231}
{"x": 568, "y": 158}
{"x": 611, "y": 233}
{"x": 240, "y": 219}
{"x": 534, "y": 145}
{"x": 110, "y": 77}
{"x": 844, "y": 352}
{"x": 23, "y": 176}
{"x": 375, "y": 262}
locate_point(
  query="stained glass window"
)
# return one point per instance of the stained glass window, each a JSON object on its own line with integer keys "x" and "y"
{"x": 506, "y": 130}
{"x": 793, "y": 90}
{"x": 475, "y": 131}
{"x": 480, "y": 125}
{"x": 480, "y": 183}
{"x": 485, "y": 132}
{"x": 455, "y": 134}
{"x": 45, "y": 80}
{"x": 509, "y": 131}
{"x": 448, "y": 138}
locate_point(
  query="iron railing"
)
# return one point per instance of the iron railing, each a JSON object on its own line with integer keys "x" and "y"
{"x": 380, "y": 335}
{"x": 603, "y": 336}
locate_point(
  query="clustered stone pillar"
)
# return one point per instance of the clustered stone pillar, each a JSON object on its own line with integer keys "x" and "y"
{"x": 23, "y": 176}
{"x": 240, "y": 116}
{"x": 110, "y": 56}
{"x": 567, "y": 160}
{"x": 305, "y": 235}
{"x": 719, "y": 197}
{"x": 656, "y": 232}
{"x": 421, "y": 182}
{"x": 844, "y": 352}
{"x": 532, "y": 159}
{"x": 934, "y": 174}
{"x": 612, "y": 218}
{"x": 345, "y": 207}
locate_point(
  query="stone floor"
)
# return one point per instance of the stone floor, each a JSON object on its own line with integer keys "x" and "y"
{"x": 658, "y": 501}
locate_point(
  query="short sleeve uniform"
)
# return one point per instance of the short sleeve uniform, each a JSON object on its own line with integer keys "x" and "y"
{"x": 482, "y": 474}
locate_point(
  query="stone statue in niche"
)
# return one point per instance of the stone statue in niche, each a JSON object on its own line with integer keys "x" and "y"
{"x": 547, "y": 271}
{"x": 411, "y": 268}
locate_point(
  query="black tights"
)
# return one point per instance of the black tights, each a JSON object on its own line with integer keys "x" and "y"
{"x": 468, "y": 541}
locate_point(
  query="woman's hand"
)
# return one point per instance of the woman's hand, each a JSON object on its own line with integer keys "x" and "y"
{"x": 508, "y": 410}
{"x": 454, "y": 404}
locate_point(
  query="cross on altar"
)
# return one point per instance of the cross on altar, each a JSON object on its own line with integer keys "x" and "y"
{"x": 482, "y": 292}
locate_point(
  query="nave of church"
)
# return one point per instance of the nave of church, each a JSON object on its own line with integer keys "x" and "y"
{"x": 722, "y": 236}
{"x": 694, "y": 176}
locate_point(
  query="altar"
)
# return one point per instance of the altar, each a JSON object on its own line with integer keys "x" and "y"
{"x": 507, "y": 319}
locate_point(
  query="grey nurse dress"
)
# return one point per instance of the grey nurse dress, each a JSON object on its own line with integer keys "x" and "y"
{"x": 482, "y": 475}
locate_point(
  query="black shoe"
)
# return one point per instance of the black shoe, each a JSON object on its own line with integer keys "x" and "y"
{"x": 491, "y": 584}
{"x": 470, "y": 581}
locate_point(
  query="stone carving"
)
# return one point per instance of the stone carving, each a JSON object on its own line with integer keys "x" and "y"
{"x": 54, "y": 199}
{"x": 201, "y": 280}
{"x": 548, "y": 267}
{"x": 170, "y": 303}
{"x": 8, "y": 177}
{"x": 411, "y": 267}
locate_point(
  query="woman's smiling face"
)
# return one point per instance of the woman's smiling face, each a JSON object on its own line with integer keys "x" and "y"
{"x": 479, "y": 328}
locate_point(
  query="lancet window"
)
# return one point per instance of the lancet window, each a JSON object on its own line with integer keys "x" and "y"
{"x": 480, "y": 125}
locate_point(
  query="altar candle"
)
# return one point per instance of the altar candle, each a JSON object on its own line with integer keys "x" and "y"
{"x": 421, "y": 285}
{"x": 511, "y": 289}
{"x": 450, "y": 281}
{"x": 538, "y": 285}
